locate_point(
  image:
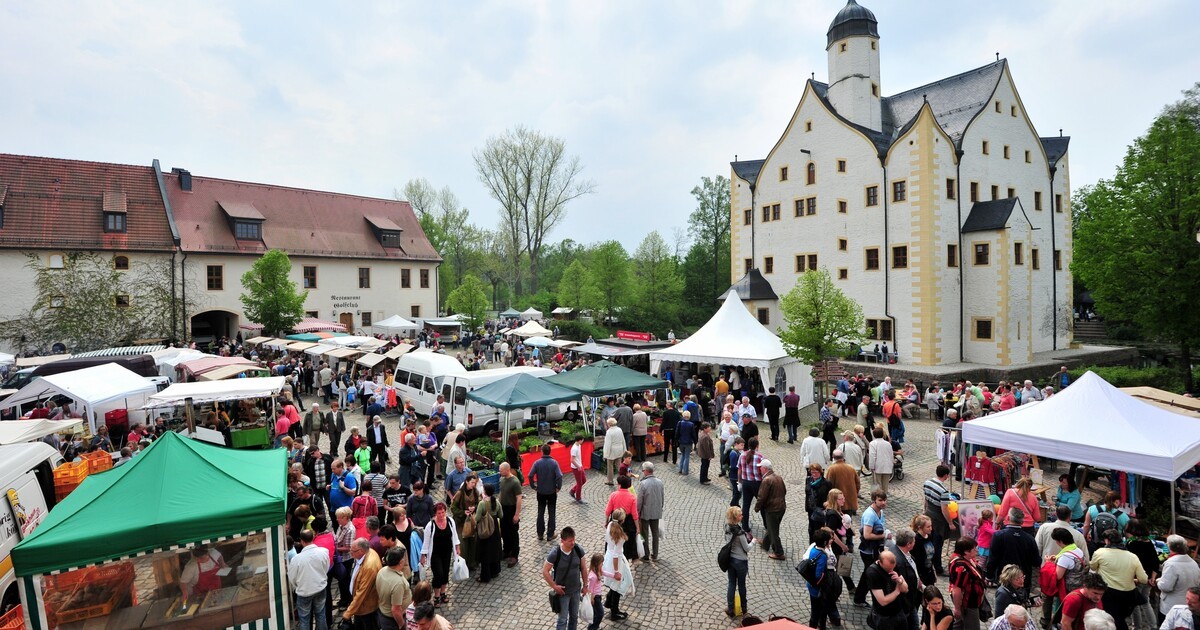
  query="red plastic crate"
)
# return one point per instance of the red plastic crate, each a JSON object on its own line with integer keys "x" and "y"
{"x": 13, "y": 619}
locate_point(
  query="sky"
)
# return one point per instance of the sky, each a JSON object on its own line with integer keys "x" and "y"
{"x": 651, "y": 96}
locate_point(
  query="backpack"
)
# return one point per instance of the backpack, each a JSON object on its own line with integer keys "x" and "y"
{"x": 487, "y": 525}
{"x": 725, "y": 555}
{"x": 1102, "y": 522}
{"x": 807, "y": 568}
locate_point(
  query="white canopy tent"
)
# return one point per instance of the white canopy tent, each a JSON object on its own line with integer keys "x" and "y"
{"x": 168, "y": 358}
{"x": 531, "y": 329}
{"x": 349, "y": 341}
{"x": 96, "y": 389}
{"x": 395, "y": 323}
{"x": 539, "y": 341}
{"x": 6, "y": 358}
{"x": 320, "y": 349}
{"x": 216, "y": 391}
{"x": 18, "y": 431}
{"x": 531, "y": 313}
{"x": 1093, "y": 423}
{"x": 734, "y": 337}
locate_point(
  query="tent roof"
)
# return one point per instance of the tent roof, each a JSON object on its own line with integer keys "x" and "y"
{"x": 216, "y": 391}
{"x": 204, "y": 364}
{"x": 521, "y": 391}
{"x": 539, "y": 341}
{"x": 17, "y": 431}
{"x": 170, "y": 480}
{"x": 531, "y": 329}
{"x": 1166, "y": 400}
{"x": 1091, "y": 422}
{"x": 395, "y": 322}
{"x": 511, "y": 312}
{"x": 312, "y": 324}
{"x": 531, "y": 312}
{"x": 254, "y": 341}
{"x": 319, "y": 349}
{"x": 91, "y": 386}
{"x": 399, "y": 350}
{"x": 608, "y": 351}
{"x": 370, "y": 360}
{"x": 605, "y": 377}
{"x": 229, "y": 371}
{"x": 731, "y": 337}
{"x": 24, "y": 362}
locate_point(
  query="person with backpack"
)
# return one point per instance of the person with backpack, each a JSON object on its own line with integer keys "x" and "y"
{"x": 565, "y": 571}
{"x": 1061, "y": 573}
{"x": 816, "y": 568}
{"x": 487, "y": 532}
{"x": 734, "y": 558}
{"x": 1122, "y": 572}
{"x": 816, "y": 491}
{"x": 893, "y": 415}
{"x": 873, "y": 535}
{"x": 1103, "y": 517}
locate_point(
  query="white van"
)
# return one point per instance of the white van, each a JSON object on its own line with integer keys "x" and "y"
{"x": 418, "y": 377}
{"x": 481, "y": 418}
{"x": 27, "y": 481}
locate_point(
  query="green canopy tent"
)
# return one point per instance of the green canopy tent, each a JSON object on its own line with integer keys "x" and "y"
{"x": 520, "y": 391}
{"x": 510, "y": 313}
{"x": 606, "y": 377}
{"x": 176, "y": 493}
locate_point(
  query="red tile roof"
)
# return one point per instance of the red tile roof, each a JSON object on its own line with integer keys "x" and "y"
{"x": 298, "y": 221}
{"x": 52, "y": 203}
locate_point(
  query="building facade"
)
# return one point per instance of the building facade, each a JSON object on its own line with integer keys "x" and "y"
{"x": 940, "y": 209}
{"x": 360, "y": 259}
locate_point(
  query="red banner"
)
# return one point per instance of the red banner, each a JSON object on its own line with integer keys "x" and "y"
{"x": 633, "y": 336}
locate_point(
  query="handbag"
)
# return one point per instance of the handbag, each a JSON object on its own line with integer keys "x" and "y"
{"x": 468, "y": 528}
{"x": 845, "y": 565}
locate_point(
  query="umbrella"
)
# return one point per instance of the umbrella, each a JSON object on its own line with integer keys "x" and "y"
{"x": 520, "y": 391}
{"x": 540, "y": 342}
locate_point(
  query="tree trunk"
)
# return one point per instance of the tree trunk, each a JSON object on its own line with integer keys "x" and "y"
{"x": 1185, "y": 349}
{"x": 533, "y": 275}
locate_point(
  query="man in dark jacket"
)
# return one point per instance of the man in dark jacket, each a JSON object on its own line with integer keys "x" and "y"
{"x": 670, "y": 420}
{"x": 335, "y": 426}
{"x": 1013, "y": 545}
{"x": 772, "y": 403}
{"x": 318, "y": 466}
{"x": 546, "y": 478}
{"x": 624, "y": 416}
{"x": 377, "y": 440}
{"x": 901, "y": 546}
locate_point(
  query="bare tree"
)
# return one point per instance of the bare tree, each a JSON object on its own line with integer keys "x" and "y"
{"x": 533, "y": 179}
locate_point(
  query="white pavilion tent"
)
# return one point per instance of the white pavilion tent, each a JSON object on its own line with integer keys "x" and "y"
{"x": 531, "y": 313}
{"x": 531, "y": 329}
{"x": 734, "y": 337}
{"x": 216, "y": 391}
{"x": 395, "y": 323}
{"x": 96, "y": 390}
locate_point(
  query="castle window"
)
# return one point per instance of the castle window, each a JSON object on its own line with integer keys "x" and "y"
{"x": 842, "y": 205}
{"x": 215, "y": 276}
{"x": 748, "y": 264}
{"x": 900, "y": 257}
{"x": 747, "y": 216}
{"x": 1007, "y": 151}
{"x": 1012, "y": 111}
{"x": 424, "y": 280}
{"x": 874, "y": 90}
{"x": 1035, "y": 258}
{"x": 367, "y": 319}
{"x": 810, "y": 206}
{"x": 843, "y": 273}
{"x": 783, "y": 174}
{"x": 406, "y": 276}
{"x": 872, "y": 259}
{"x": 1058, "y": 260}
{"x": 775, "y": 212}
{"x": 799, "y": 207}
{"x": 57, "y": 301}
{"x": 56, "y": 262}
{"x": 812, "y": 174}
{"x": 121, "y": 301}
{"x": 114, "y": 222}
{"x": 247, "y": 230}
{"x": 899, "y": 190}
{"x": 951, "y": 254}
{"x": 364, "y": 277}
{"x": 843, "y": 244}
{"x": 764, "y": 316}
{"x": 766, "y": 214}
{"x": 309, "y": 274}
{"x": 1037, "y": 200}
{"x": 806, "y": 262}
{"x": 997, "y": 107}
{"x": 974, "y": 192}
{"x": 808, "y": 126}
{"x": 1012, "y": 192}
{"x": 1058, "y": 203}
{"x": 769, "y": 264}
{"x": 985, "y": 147}
{"x": 121, "y": 263}
{"x": 983, "y": 254}
{"x": 880, "y": 329}
{"x": 873, "y": 44}
{"x": 950, "y": 188}
{"x": 1018, "y": 254}
{"x": 1028, "y": 157}
{"x": 872, "y": 196}
{"x": 842, "y": 47}
{"x": 812, "y": 262}
{"x": 841, "y": 166}
{"x": 981, "y": 329}
{"x": 995, "y": 192}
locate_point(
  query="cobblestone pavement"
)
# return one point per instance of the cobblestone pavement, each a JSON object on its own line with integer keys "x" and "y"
{"x": 684, "y": 589}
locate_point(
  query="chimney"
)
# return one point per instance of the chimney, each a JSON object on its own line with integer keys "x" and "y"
{"x": 185, "y": 178}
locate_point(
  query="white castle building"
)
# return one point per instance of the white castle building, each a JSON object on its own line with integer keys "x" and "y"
{"x": 938, "y": 209}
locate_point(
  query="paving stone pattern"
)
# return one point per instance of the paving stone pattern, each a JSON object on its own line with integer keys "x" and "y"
{"x": 684, "y": 588}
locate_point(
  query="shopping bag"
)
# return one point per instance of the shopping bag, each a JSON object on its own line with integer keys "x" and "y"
{"x": 460, "y": 573}
{"x": 641, "y": 546}
{"x": 586, "y": 614}
{"x": 662, "y": 530}
{"x": 845, "y": 564}
{"x": 425, "y": 573}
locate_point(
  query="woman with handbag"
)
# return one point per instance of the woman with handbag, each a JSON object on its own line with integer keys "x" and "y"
{"x": 925, "y": 550}
{"x": 487, "y": 532}
{"x": 842, "y": 527}
{"x": 462, "y": 509}
{"x": 621, "y": 583}
{"x": 438, "y": 549}
{"x": 739, "y": 558}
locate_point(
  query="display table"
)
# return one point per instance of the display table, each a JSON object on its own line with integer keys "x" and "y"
{"x": 251, "y": 437}
{"x": 561, "y": 454}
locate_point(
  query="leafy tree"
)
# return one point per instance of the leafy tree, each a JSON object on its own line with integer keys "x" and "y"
{"x": 1136, "y": 234}
{"x": 271, "y": 298}
{"x": 710, "y": 223}
{"x": 658, "y": 285}
{"x": 697, "y": 275}
{"x": 575, "y": 289}
{"x": 608, "y": 276}
{"x": 533, "y": 179}
{"x": 820, "y": 321}
{"x": 470, "y": 300}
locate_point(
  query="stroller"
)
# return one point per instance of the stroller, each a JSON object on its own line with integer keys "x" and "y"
{"x": 897, "y": 463}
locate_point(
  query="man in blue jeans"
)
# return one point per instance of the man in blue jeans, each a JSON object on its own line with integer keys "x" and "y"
{"x": 685, "y": 433}
{"x": 306, "y": 574}
{"x": 564, "y": 571}
{"x": 546, "y": 478}
{"x": 750, "y": 474}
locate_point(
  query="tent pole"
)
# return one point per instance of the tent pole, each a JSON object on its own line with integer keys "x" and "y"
{"x": 1171, "y": 496}
{"x": 962, "y": 464}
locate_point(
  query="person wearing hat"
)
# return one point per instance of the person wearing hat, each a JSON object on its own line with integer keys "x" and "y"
{"x": 392, "y": 588}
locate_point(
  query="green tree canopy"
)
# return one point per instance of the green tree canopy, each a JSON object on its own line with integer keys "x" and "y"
{"x": 820, "y": 321}
{"x": 608, "y": 276}
{"x": 710, "y": 223}
{"x": 658, "y": 286}
{"x": 270, "y": 297}
{"x": 1136, "y": 234}
{"x": 574, "y": 290}
{"x": 470, "y": 300}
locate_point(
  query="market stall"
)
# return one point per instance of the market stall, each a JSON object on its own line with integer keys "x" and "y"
{"x": 190, "y": 370}
{"x": 232, "y": 371}
{"x": 734, "y": 337}
{"x": 531, "y": 329}
{"x": 604, "y": 378}
{"x": 510, "y": 313}
{"x": 248, "y": 432}
{"x": 394, "y": 324}
{"x": 531, "y": 313}
{"x": 525, "y": 391}
{"x": 96, "y": 390}
{"x": 312, "y": 324}
{"x": 1137, "y": 438}
{"x": 18, "y": 431}
{"x": 172, "y": 556}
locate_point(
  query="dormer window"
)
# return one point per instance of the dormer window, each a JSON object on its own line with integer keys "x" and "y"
{"x": 115, "y": 206}
{"x": 386, "y": 231}
{"x": 244, "y": 220}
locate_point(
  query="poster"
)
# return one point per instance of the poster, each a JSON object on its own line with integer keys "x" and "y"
{"x": 969, "y": 516}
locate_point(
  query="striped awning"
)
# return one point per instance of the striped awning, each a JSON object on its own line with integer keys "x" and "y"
{"x": 122, "y": 351}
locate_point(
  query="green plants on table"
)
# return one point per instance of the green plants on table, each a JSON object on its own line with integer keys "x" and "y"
{"x": 531, "y": 444}
{"x": 486, "y": 447}
{"x": 567, "y": 431}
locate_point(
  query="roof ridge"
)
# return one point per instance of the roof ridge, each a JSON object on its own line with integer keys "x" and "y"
{"x": 196, "y": 178}
{"x": 72, "y": 160}
{"x": 945, "y": 79}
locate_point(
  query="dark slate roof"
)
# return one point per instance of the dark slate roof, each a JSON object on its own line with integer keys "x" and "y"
{"x": 852, "y": 20}
{"x": 1055, "y": 148}
{"x": 752, "y": 286}
{"x": 748, "y": 170}
{"x": 989, "y": 215}
{"x": 955, "y": 101}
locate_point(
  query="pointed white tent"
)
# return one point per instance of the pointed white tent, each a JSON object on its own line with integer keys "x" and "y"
{"x": 531, "y": 313}
{"x": 395, "y": 323}
{"x": 734, "y": 337}
{"x": 531, "y": 329}
{"x": 1091, "y": 422}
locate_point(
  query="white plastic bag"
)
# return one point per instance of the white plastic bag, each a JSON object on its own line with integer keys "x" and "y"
{"x": 460, "y": 572}
{"x": 641, "y": 546}
{"x": 662, "y": 530}
{"x": 586, "y": 614}
{"x": 425, "y": 573}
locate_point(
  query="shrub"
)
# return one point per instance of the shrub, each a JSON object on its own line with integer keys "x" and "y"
{"x": 576, "y": 330}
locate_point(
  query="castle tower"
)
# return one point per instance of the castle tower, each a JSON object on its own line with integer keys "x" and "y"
{"x": 853, "y": 49}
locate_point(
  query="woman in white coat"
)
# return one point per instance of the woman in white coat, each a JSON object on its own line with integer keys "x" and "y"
{"x": 439, "y": 550}
{"x": 614, "y": 558}
{"x": 1179, "y": 573}
{"x": 614, "y": 448}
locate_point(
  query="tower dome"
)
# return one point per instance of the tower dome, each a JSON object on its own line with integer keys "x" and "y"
{"x": 853, "y": 19}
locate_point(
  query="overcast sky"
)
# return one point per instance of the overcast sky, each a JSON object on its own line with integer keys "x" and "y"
{"x": 360, "y": 97}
